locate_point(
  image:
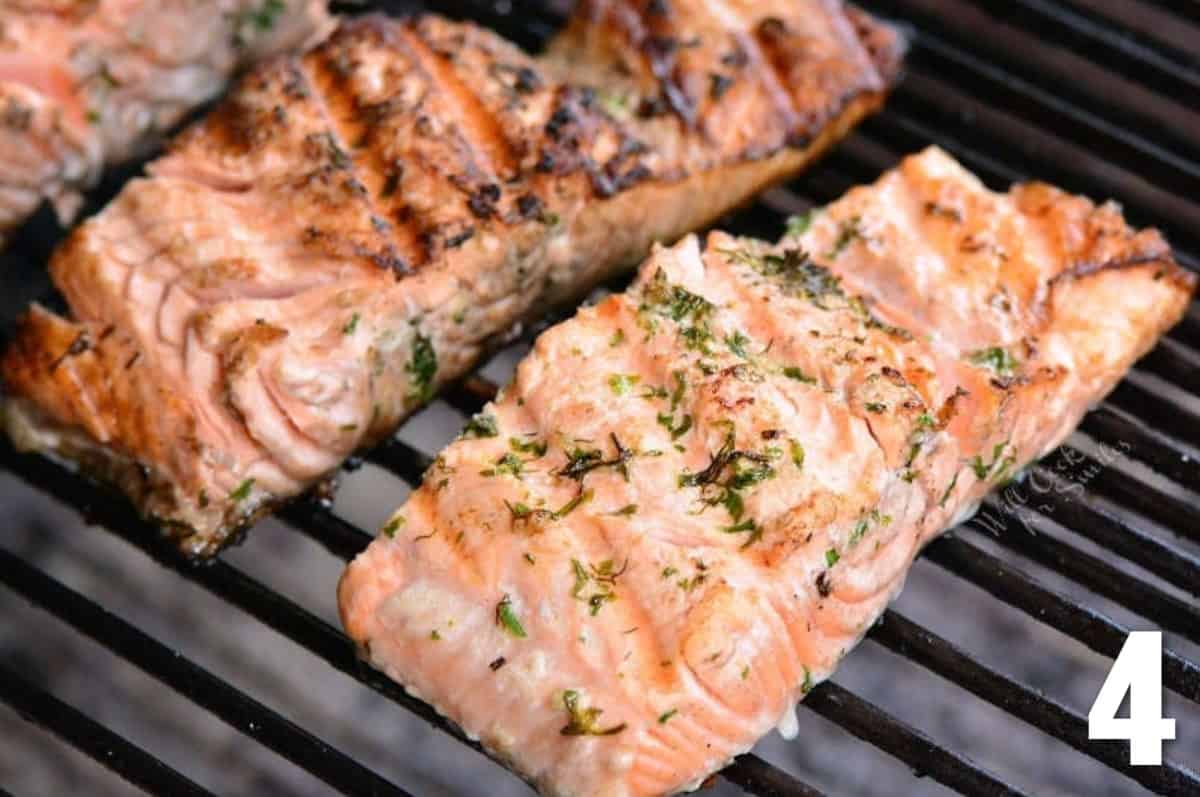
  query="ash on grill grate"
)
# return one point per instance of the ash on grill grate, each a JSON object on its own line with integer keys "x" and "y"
{"x": 1039, "y": 603}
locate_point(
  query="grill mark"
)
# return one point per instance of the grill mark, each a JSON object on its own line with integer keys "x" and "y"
{"x": 769, "y": 72}
{"x": 341, "y": 111}
{"x": 652, "y": 32}
{"x": 479, "y": 128}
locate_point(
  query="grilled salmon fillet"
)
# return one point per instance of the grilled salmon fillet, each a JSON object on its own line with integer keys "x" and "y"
{"x": 352, "y": 228}
{"x": 698, "y": 495}
{"x": 84, "y": 84}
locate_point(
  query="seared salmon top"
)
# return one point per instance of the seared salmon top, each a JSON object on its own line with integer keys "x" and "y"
{"x": 696, "y": 496}
{"x": 83, "y": 84}
{"x": 350, "y": 229}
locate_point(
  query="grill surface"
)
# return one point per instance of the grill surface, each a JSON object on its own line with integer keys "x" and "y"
{"x": 1096, "y": 95}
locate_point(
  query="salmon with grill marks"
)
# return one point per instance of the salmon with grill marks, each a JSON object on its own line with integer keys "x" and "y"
{"x": 87, "y": 83}
{"x": 697, "y": 496}
{"x": 352, "y": 228}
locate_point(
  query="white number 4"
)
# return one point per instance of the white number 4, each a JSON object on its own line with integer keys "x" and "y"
{"x": 1137, "y": 670}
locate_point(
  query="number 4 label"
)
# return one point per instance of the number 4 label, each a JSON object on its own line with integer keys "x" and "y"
{"x": 1137, "y": 670}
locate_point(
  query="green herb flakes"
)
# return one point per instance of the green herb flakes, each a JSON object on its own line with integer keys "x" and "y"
{"x": 584, "y": 721}
{"x": 792, "y": 372}
{"x": 849, "y": 231}
{"x": 832, "y": 557}
{"x": 797, "y": 455}
{"x": 422, "y": 369}
{"x": 736, "y": 341}
{"x": 393, "y": 525}
{"x": 482, "y": 424}
{"x": 799, "y": 224}
{"x": 755, "y": 531}
{"x": 996, "y": 358}
{"x": 533, "y": 446}
{"x": 621, "y": 383}
{"x": 242, "y": 492}
{"x": 949, "y": 490}
{"x": 665, "y": 717}
{"x": 507, "y": 619}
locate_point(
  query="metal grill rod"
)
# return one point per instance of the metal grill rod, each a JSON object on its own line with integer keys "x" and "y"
{"x": 1166, "y": 611}
{"x": 976, "y": 566}
{"x": 939, "y": 25}
{"x": 294, "y": 622}
{"x": 926, "y": 757}
{"x": 1158, "y": 66}
{"x": 905, "y": 638}
{"x": 93, "y": 739}
{"x": 1086, "y": 518}
{"x": 240, "y": 711}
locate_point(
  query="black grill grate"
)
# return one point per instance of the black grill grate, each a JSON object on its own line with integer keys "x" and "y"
{"x": 1052, "y": 88}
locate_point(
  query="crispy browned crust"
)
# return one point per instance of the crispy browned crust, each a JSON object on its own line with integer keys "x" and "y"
{"x": 391, "y": 149}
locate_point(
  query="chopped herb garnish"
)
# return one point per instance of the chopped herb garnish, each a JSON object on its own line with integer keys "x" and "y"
{"x": 621, "y": 383}
{"x": 680, "y": 305}
{"x": 755, "y": 530}
{"x": 529, "y": 558}
{"x": 509, "y": 464}
{"x": 848, "y": 232}
{"x": 807, "y": 685}
{"x": 626, "y": 511}
{"x": 507, "y": 619}
{"x": 618, "y": 338}
{"x": 570, "y": 506}
{"x": 864, "y": 524}
{"x": 797, "y": 455}
{"x": 423, "y": 368}
{"x": 582, "y": 461}
{"x": 242, "y": 492}
{"x": 677, "y": 430}
{"x": 602, "y": 577}
{"x": 666, "y": 716}
{"x": 584, "y": 721}
{"x": 736, "y": 341}
{"x": 996, "y": 467}
{"x": 792, "y": 372}
{"x": 393, "y": 525}
{"x": 996, "y": 358}
{"x": 740, "y": 469}
{"x": 875, "y": 407}
{"x": 262, "y": 18}
{"x": 832, "y": 557}
{"x": 351, "y": 325}
{"x": 949, "y": 490}
{"x": 535, "y": 447}
{"x": 482, "y": 424}
{"x": 798, "y": 225}
{"x": 435, "y": 636}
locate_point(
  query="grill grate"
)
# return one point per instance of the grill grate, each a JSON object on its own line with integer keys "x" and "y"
{"x": 1089, "y": 104}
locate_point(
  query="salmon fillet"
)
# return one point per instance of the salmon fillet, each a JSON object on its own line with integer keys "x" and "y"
{"x": 85, "y": 84}
{"x": 696, "y": 496}
{"x": 351, "y": 229}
